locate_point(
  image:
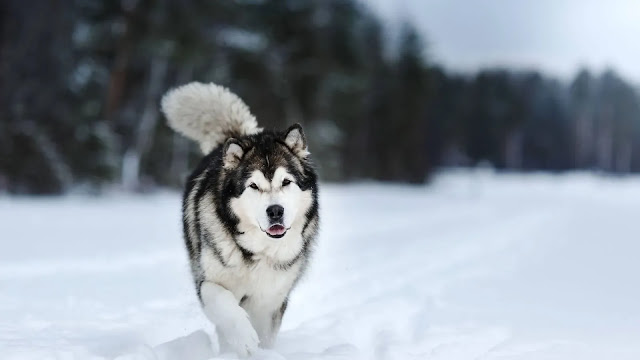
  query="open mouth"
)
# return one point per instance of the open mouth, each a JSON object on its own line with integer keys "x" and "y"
{"x": 276, "y": 231}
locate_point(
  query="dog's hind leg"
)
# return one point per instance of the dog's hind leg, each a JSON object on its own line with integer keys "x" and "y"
{"x": 232, "y": 321}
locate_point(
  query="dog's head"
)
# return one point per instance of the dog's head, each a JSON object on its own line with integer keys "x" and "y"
{"x": 271, "y": 182}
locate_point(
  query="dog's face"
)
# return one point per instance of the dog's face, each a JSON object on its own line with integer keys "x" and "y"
{"x": 274, "y": 192}
{"x": 271, "y": 204}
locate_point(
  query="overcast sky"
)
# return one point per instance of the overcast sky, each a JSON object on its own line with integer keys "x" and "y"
{"x": 555, "y": 36}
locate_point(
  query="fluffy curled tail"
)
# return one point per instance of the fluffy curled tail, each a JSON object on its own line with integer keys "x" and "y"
{"x": 208, "y": 114}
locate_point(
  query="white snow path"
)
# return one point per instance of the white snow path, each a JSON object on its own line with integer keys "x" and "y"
{"x": 476, "y": 266}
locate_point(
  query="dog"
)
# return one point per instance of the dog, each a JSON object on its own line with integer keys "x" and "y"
{"x": 250, "y": 213}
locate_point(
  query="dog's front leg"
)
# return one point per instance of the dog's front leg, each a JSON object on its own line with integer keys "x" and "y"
{"x": 266, "y": 321}
{"x": 263, "y": 323}
{"x": 231, "y": 321}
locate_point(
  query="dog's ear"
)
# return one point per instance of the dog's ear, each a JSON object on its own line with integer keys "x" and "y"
{"x": 295, "y": 140}
{"x": 232, "y": 153}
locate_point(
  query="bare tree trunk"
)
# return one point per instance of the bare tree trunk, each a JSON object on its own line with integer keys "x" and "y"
{"x": 49, "y": 151}
{"x": 513, "y": 150}
{"x": 623, "y": 156}
{"x": 119, "y": 71}
{"x": 604, "y": 146}
{"x": 281, "y": 83}
{"x": 583, "y": 140}
{"x": 292, "y": 111}
{"x": 144, "y": 136}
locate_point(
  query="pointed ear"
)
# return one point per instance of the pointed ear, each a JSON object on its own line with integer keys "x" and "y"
{"x": 232, "y": 153}
{"x": 296, "y": 141}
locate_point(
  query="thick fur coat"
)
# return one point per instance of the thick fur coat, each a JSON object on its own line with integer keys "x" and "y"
{"x": 250, "y": 213}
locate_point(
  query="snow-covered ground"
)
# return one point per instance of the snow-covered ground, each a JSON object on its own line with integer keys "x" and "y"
{"x": 475, "y": 266}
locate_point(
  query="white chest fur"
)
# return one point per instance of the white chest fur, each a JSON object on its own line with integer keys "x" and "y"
{"x": 260, "y": 281}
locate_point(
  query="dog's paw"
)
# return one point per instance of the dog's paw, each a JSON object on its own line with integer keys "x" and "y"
{"x": 241, "y": 338}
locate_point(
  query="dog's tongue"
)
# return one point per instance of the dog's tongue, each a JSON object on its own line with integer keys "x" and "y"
{"x": 275, "y": 230}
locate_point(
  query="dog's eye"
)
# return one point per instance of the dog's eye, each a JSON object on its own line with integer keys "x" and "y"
{"x": 286, "y": 182}
{"x": 253, "y": 186}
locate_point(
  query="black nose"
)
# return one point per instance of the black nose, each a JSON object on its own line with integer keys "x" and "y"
{"x": 275, "y": 212}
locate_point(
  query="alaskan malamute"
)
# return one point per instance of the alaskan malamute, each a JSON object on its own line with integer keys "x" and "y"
{"x": 250, "y": 213}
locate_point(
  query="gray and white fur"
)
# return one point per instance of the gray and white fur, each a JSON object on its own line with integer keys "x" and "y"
{"x": 250, "y": 213}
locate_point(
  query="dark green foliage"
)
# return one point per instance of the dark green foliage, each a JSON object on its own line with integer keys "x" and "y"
{"x": 80, "y": 83}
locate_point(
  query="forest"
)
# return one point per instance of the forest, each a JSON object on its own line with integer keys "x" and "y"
{"x": 81, "y": 82}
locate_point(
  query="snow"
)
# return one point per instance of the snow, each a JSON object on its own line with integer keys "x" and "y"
{"x": 474, "y": 266}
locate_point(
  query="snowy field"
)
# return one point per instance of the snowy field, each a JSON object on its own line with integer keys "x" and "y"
{"x": 475, "y": 266}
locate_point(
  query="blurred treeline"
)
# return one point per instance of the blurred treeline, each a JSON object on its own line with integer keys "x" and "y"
{"x": 80, "y": 83}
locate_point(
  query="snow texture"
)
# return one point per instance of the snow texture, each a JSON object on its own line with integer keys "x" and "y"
{"x": 475, "y": 266}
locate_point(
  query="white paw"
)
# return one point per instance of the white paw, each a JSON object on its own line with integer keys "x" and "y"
{"x": 241, "y": 337}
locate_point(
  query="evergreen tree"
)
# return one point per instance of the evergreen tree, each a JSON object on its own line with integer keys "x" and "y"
{"x": 81, "y": 81}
